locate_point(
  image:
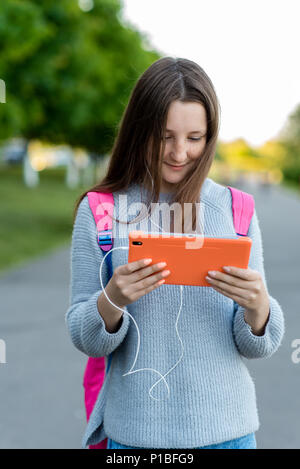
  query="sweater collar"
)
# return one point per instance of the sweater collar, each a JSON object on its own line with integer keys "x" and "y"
{"x": 167, "y": 196}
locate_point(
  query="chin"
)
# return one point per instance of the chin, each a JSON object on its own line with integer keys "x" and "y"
{"x": 173, "y": 180}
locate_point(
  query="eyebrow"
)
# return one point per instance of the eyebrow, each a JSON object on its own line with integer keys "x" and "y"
{"x": 191, "y": 132}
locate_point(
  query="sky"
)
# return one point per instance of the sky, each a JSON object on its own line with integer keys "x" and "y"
{"x": 250, "y": 49}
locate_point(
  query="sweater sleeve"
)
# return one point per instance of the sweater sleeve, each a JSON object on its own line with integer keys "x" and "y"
{"x": 249, "y": 344}
{"x": 84, "y": 322}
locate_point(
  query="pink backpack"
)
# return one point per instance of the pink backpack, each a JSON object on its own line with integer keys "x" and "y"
{"x": 102, "y": 205}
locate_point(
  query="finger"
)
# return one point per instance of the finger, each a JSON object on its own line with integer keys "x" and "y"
{"x": 152, "y": 279}
{"x": 146, "y": 271}
{"x": 229, "y": 289}
{"x": 246, "y": 274}
{"x": 228, "y": 279}
{"x": 142, "y": 292}
{"x": 239, "y": 300}
{"x": 133, "y": 266}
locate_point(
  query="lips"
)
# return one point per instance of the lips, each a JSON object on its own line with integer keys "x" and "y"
{"x": 175, "y": 166}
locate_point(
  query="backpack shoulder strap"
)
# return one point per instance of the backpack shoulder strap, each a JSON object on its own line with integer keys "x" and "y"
{"x": 243, "y": 205}
{"x": 102, "y": 207}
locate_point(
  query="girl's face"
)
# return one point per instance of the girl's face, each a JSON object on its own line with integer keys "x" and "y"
{"x": 185, "y": 139}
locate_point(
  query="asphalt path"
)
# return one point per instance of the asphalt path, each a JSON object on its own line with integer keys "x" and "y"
{"x": 41, "y": 393}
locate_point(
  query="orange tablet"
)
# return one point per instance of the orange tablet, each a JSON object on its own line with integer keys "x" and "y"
{"x": 189, "y": 257}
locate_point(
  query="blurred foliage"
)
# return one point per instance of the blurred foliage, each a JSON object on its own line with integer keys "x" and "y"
{"x": 290, "y": 140}
{"x": 279, "y": 157}
{"x": 68, "y": 73}
{"x": 239, "y": 155}
{"x": 291, "y": 131}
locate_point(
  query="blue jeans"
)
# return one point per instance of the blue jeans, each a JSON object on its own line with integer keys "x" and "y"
{"x": 245, "y": 442}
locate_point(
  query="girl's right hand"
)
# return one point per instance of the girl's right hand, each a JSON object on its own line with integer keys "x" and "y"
{"x": 133, "y": 280}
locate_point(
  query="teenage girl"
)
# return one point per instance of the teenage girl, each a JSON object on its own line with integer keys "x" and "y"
{"x": 177, "y": 377}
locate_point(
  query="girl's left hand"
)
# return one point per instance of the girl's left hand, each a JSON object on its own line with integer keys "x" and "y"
{"x": 245, "y": 287}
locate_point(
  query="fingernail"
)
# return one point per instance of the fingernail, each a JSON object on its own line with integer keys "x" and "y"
{"x": 147, "y": 261}
{"x": 166, "y": 272}
{"x": 212, "y": 273}
{"x": 227, "y": 269}
{"x": 161, "y": 264}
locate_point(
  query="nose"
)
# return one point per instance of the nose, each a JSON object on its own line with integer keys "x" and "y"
{"x": 178, "y": 153}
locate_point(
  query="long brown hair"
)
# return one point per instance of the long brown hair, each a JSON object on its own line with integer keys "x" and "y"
{"x": 142, "y": 126}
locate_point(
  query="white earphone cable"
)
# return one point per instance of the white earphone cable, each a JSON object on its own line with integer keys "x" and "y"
{"x": 162, "y": 377}
{"x": 131, "y": 371}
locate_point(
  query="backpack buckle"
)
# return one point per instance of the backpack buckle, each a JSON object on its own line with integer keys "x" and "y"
{"x": 104, "y": 237}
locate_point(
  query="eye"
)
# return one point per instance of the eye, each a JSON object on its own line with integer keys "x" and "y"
{"x": 193, "y": 139}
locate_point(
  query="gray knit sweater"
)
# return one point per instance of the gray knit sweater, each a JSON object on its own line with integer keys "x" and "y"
{"x": 211, "y": 395}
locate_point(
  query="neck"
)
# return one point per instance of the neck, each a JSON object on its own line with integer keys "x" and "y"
{"x": 165, "y": 188}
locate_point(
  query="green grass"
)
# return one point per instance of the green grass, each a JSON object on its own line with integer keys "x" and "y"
{"x": 33, "y": 220}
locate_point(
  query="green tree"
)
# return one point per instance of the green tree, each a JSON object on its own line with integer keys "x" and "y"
{"x": 290, "y": 139}
{"x": 68, "y": 73}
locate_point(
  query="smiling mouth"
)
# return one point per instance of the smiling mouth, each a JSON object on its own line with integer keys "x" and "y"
{"x": 175, "y": 166}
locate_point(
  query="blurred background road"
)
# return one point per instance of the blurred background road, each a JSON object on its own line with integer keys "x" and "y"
{"x": 41, "y": 394}
{"x": 41, "y": 399}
